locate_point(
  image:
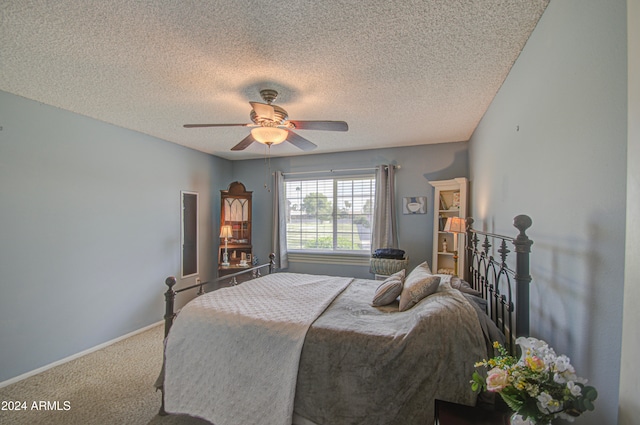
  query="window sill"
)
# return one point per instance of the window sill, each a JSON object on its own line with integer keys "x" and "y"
{"x": 343, "y": 258}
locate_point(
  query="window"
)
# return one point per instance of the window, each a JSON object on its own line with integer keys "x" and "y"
{"x": 330, "y": 214}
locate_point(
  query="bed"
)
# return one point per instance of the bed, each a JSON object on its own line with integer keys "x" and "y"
{"x": 300, "y": 349}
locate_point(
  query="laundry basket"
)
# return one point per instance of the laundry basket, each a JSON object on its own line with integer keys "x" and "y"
{"x": 383, "y": 267}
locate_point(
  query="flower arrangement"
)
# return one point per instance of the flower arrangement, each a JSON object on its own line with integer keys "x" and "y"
{"x": 539, "y": 386}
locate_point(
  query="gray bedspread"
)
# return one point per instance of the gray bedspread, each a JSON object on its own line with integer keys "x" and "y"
{"x": 358, "y": 365}
{"x": 366, "y": 365}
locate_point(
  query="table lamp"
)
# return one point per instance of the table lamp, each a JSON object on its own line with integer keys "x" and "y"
{"x": 455, "y": 225}
{"x": 225, "y": 232}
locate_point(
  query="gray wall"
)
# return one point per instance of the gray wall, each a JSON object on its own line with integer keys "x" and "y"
{"x": 553, "y": 145}
{"x": 419, "y": 164}
{"x": 630, "y": 372}
{"x": 89, "y": 229}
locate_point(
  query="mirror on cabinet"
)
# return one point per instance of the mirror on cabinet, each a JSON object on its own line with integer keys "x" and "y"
{"x": 235, "y": 229}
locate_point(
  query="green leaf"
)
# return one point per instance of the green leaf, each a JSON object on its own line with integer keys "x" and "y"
{"x": 478, "y": 382}
{"x": 513, "y": 403}
{"x": 590, "y": 393}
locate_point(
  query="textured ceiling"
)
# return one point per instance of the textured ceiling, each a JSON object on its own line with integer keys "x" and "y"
{"x": 399, "y": 73}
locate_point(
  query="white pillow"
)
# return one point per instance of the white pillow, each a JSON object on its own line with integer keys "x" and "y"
{"x": 422, "y": 267}
{"x": 389, "y": 290}
{"x": 418, "y": 285}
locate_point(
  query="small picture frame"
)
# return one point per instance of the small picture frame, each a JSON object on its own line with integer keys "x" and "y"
{"x": 414, "y": 205}
{"x": 456, "y": 200}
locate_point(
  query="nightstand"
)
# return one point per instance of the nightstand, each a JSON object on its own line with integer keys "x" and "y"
{"x": 457, "y": 414}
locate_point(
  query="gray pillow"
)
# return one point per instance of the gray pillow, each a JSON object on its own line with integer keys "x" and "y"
{"x": 389, "y": 290}
{"x": 418, "y": 285}
{"x": 464, "y": 286}
{"x": 480, "y": 302}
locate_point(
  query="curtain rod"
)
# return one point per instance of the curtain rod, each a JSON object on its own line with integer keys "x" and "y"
{"x": 397, "y": 167}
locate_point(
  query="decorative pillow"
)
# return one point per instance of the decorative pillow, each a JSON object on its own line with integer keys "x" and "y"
{"x": 464, "y": 286}
{"x": 422, "y": 267}
{"x": 389, "y": 290}
{"x": 418, "y": 285}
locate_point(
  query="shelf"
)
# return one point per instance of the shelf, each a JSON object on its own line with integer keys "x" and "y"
{"x": 450, "y": 198}
{"x": 234, "y": 267}
{"x": 236, "y": 245}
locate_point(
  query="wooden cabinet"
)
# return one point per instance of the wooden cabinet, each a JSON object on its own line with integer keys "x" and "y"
{"x": 235, "y": 223}
{"x": 450, "y": 200}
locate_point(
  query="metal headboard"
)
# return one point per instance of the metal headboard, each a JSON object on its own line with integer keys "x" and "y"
{"x": 505, "y": 288}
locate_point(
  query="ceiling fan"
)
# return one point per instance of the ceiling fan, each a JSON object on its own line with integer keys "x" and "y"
{"x": 271, "y": 125}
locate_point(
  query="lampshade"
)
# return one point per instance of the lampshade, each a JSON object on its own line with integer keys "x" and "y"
{"x": 269, "y": 135}
{"x": 455, "y": 225}
{"x": 225, "y": 232}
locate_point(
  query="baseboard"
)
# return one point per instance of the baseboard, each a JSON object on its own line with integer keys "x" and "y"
{"x": 76, "y": 356}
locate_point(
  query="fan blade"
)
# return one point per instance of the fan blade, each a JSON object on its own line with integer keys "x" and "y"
{"x": 215, "y": 125}
{"x": 263, "y": 110}
{"x": 300, "y": 142}
{"x": 244, "y": 143}
{"x": 320, "y": 125}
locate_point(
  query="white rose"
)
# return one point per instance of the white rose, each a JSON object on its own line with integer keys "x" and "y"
{"x": 576, "y": 390}
{"x": 547, "y": 404}
{"x": 563, "y": 363}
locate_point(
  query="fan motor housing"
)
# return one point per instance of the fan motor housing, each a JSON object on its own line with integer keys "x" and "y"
{"x": 279, "y": 114}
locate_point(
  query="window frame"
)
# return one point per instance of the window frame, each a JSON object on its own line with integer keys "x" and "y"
{"x": 334, "y": 254}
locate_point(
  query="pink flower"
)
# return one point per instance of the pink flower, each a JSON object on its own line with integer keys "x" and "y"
{"x": 497, "y": 379}
{"x": 535, "y": 363}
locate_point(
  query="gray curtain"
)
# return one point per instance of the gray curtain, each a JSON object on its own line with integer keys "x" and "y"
{"x": 279, "y": 222}
{"x": 384, "y": 233}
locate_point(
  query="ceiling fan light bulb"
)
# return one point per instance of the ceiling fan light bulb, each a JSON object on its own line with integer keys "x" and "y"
{"x": 269, "y": 135}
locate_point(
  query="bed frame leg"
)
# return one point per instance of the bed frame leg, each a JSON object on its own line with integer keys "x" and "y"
{"x": 169, "y": 298}
{"x": 169, "y": 315}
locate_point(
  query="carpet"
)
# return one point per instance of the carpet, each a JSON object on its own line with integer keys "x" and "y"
{"x": 113, "y": 385}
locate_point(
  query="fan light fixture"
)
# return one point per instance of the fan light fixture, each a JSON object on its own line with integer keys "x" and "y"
{"x": 269, "y": 135}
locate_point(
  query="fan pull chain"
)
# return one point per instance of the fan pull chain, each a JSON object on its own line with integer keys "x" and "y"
{"x": 267, "y": 161}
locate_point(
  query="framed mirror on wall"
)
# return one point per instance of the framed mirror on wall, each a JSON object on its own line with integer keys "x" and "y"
{"x": 189, "y": 234}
